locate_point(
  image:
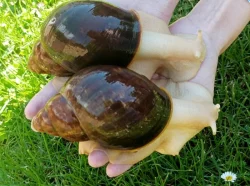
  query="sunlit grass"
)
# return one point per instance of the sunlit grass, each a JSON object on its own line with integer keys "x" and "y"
{"x": 34, "y": 159}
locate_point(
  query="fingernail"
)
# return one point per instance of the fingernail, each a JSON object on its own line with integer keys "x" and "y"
{"x": 114, "y": 170}
{"x": 97, "y": 158}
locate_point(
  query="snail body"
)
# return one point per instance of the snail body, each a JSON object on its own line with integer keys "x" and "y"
{"x": 88, "y": 33}
{"x": 191, "y": 113}
{"x": 113, "y": 106}
{"x": 117, "y": 109}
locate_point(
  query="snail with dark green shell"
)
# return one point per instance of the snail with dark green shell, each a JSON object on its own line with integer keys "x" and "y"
{"x": 87, "y": 33}
{"x": 106, "y": 106}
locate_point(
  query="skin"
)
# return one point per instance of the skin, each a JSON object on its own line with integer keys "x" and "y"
{"x": 221, "y": 22}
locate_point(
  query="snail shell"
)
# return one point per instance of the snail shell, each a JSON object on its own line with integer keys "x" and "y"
{"x": 113, "y": 106}
{"x": 84, "y": 33}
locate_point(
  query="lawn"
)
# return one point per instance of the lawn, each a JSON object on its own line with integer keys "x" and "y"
{"x": 36, "y": 159}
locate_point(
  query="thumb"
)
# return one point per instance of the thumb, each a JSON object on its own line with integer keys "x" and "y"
{"x": 41, "y": 98}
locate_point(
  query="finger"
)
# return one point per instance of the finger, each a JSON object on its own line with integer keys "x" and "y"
{"x": 97, "y": 158}
{"x": 206, "y": 74}
{"x": 114, "y": 170}
{"x": 41, "y": 98}
{"x": 162, "y": 9}
{"x": 96, "y": 155}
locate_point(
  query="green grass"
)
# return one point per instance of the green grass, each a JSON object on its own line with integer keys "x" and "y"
{"x": 35, "y": 159}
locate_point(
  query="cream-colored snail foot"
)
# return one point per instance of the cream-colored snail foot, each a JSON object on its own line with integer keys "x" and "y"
{"x": 188, "y": 119}
{"x": 86, "y": 147}
{"x": 185, "y": 69}
{"x": 119, "y": 156}
{"x": 177, "y": 57}
{"x": 179, "y": 132}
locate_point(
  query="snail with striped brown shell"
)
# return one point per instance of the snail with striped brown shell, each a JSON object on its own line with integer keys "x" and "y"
{"x": 87, "y": 33}
{"x": 114, "y": 106}
{"x": 106, "y": 106}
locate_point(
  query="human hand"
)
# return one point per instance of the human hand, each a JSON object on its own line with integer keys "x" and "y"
{"x": 161, "y": 9}
{"x": 198, "y": 90}
{"x": 203, "y": 82}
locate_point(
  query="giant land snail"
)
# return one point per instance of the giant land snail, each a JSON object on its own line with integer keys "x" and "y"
{"x": 105, "y": 104}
